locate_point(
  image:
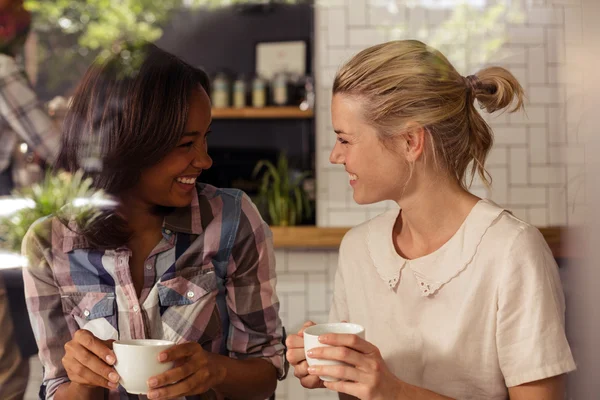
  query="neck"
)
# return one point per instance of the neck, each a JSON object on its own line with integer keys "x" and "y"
{"x": 140, "y": 217}
{"x": 431, "y": 216}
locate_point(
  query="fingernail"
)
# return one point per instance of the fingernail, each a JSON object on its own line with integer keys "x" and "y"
{"x": 113, "y": 385}
{"x": 113, "y": 377}
{"x": 322, "y": 339}
{"x": 162, "y": 357}
{"x": 110, "y": 359}
{"x": 152, "y": 395}
{"x": 310, "y": 353}
{"x": 152, "y": 382}
{"x": 312, "y": 370}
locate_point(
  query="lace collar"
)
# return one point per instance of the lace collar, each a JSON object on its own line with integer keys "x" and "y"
{"x": 438, "y": 268}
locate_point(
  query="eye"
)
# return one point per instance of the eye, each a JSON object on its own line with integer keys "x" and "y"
{"x": 342, "y": 141}
{"x": 186, "y": 144}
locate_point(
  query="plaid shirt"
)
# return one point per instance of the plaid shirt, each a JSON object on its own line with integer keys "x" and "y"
{"x": 69, "y": 286}
{"x": 22, "y": 115}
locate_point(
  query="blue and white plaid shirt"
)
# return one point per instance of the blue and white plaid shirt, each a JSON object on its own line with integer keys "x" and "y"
{"x": 22, "y": 116}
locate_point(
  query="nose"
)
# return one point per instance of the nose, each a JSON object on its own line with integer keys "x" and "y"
{"x": 336, "y": 156}
{"x": 202, "y": 160}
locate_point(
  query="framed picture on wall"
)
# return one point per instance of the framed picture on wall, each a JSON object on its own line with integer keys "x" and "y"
{"x": 286, "y": 56}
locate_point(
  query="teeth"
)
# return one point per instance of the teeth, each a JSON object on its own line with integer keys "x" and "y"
{"x": 187, "y": 181}
{"x": 353, "y": 177}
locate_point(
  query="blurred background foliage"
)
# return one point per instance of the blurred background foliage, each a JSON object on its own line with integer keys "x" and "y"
{"x": 71, "y": 33}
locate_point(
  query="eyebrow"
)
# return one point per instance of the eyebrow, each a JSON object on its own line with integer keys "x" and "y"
{"x": 340, "y": 132}
{"x": 196, "y": 133}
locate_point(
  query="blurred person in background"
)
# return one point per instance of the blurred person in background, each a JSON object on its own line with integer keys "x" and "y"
{"x": 21, "y": 117}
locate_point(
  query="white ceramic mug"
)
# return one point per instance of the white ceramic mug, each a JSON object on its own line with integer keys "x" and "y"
{"x": 311, "y": 340}
{"x": 137, "y": 361}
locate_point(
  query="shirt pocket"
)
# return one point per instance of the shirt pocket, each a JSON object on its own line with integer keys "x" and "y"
{"x": 94, "y": 311}
{"x": 188, "y": 307}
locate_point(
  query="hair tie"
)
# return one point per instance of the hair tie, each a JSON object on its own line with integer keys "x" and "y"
{"x": 473, "y": 83}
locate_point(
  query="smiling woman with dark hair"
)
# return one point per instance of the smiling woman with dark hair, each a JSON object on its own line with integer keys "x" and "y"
{"x": 175, "y": 260}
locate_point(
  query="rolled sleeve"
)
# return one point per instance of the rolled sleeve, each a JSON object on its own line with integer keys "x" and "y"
{"x": 255, "y": 327}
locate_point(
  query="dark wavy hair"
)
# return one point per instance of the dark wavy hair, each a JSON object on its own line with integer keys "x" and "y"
{"x": 127, "y": 113}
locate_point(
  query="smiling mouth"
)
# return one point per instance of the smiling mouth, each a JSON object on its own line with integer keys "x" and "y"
{"x": 187, "y": 181}
{"x": 353, "y": 177}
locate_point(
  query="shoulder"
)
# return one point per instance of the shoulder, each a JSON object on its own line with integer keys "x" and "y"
{"x": 40, "y": 241}
{"x": 519, "y": 252}
{"x": 40, "y": 234}
{"x": 50, "y": 235}
{"x": 356, "y": 239}
{"x": 514, "y": 235}
{"x": 234, "y": 205}
{"x": 226, "y": 199}
{"x": 223, "y": 196}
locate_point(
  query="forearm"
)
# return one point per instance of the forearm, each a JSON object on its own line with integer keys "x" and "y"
{"x": 71, "y": 390}
{"x": 410, "y": 392}
{"x": 246, "y": 379}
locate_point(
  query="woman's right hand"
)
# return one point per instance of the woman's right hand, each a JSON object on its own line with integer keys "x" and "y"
{"x": 88, "y": 361}
{"x": 296, "y": 357}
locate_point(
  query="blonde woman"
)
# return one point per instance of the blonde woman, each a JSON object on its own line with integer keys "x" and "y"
{"x": 460, "y": 299}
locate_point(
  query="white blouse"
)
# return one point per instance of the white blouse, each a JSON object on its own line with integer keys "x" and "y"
{"x": 482, "y": 313}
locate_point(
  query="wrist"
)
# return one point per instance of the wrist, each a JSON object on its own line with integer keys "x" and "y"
{"x": 79, "y": 391}
{"x": 219, "y": 364}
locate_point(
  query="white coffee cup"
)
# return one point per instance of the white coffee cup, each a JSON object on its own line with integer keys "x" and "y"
{"x": 311, "y": 340}
{"x": 137, "y": 361}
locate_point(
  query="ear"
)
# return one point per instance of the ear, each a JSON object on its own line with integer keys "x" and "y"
{"x": 414, "y": 140}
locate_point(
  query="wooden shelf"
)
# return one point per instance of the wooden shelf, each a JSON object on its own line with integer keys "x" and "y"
{"x": 262, "y": 113}
{"x": 313, "y": 237}
{"x": 307, "y": 237}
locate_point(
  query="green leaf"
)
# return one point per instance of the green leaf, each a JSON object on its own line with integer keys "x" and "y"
{"x": 285, "y": 199}
{"x": 298, "y": 198}
{"x": 53, "y": 196}
{"x": 273, "y": 213}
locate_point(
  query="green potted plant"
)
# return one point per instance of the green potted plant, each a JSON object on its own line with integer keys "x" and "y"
{"x": 61, "y": 194}
{"x": 281, "y": 195}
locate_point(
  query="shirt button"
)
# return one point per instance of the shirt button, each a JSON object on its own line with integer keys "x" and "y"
{"x": 190, "y": 294}
{"x": 167, "y": 231}
{"x": 86, "y": 313}
{"x": 136, "y": 308}
{"x": 148, "y": 266}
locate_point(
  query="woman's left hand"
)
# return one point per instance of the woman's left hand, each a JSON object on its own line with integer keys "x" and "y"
{"x": 367, "y": 377}
{"x": 195, "y": 372}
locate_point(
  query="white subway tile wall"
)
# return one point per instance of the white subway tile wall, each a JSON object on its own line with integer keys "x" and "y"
{"x": 542, "y": 46}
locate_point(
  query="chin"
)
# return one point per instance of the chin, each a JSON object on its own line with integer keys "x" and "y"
{"x": 364, "y": 200}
